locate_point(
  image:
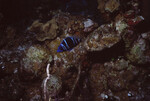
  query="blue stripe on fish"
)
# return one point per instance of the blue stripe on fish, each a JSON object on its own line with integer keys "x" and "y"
{"x": 73, "y": 40}
{"x": 68, "y": 44}
{"x": 64, "y": 48}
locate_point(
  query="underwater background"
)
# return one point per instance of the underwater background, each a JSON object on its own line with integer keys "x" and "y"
{"x": 74, "y": 50}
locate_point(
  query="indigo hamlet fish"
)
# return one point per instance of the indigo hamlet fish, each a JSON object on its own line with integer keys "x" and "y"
{"x": 68, "y": 44}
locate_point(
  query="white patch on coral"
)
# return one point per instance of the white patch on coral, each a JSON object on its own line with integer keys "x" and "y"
{"x": 104, "y": 96}
{"x": 88, "y": 23}
{"x": 120, "y": 26}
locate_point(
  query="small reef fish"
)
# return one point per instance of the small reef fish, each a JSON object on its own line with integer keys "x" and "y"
{"x": 68, "y": 44}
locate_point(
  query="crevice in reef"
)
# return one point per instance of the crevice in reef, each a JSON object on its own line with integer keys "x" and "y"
{"x": 107, "y": 54}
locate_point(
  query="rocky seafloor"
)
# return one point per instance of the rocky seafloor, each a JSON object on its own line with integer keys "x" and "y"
{"x": 111, "y": 63}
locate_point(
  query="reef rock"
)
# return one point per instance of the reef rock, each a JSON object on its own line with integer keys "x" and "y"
{"x": 53, "y": 86}
{"x": 120, "y": 64}
{"x": 135, "y": 21}
{"x": 98, "y": 80}
{"x": 89, "y": 25}
{"x": 106, "y": 79}
{"x": 9, "y": 61}
{"x": 34, "y": 61}
{"x": 74, "y": 25}
{"x": 101, "y": 5}
{"x": 108, "y": 5}
{"x": 48, "y": 30}
{"x": 112, "y": 5}
{"x": 130, "y": 34}
{"x": 33, "y": 93}
{"x": 139, "y": 53}
{"x": 10, "y": 88}
{"x": 120, "y": 80}
{"x": 120, "y": 24}
{"x": 103, "y": 37}
{"x": 69, "y": 24}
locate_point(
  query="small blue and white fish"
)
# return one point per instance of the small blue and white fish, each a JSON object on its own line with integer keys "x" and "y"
{"x": 68, "y": 44}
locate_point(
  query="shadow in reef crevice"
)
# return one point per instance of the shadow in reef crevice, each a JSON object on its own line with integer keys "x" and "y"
{"x": 107, "y": 54}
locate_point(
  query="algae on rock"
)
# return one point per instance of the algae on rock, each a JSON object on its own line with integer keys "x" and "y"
{"x": 48, "y": 30}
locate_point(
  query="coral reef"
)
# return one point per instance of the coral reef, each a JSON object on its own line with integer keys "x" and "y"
{"x": 89, "y": 25}
{"x": 48, "y": 30}
{"x": 111, "y": 63}
{"x": 103, "y": 37}
{"x": 34, "y": 61}
{"x": 74, "y": 24}
{"x": 111, "y": 77}
{"x": 33, "y": 93}
{"x": 139, "y": 52}
{"x": 112, "y": 5}
{"x": 12, "y": 85}
{"x": 53, "y": 86}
